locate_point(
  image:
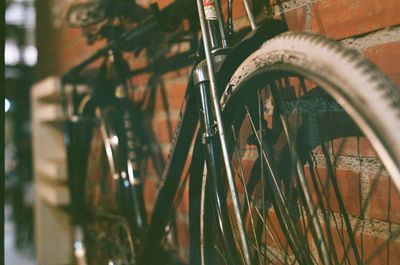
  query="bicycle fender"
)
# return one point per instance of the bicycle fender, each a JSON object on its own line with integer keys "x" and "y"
{"x": 249, "y": 44}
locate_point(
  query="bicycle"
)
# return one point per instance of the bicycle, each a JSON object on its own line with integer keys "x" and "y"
{"x": 267, "y": 108}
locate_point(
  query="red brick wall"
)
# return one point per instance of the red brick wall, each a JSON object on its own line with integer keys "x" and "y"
{"x": 370, "y": 26}
{"x": 59, "y": 47}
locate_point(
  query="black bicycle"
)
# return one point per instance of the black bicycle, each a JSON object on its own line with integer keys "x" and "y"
{"x": 267, "y": 181}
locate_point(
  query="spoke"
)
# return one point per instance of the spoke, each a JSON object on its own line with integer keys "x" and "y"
{"x": 321, "y": 246}
{"x": 260, "y": 120}
{"x": 326, "y": 218}
{"x": 364, "y": 207}
{"x": 264, "y": 254}
{"x": 221, "y": 254}
{"x": 303, "y": 85}
{"x": 269, "y": 231}
{"x": 241, "y": 174}
{"x": 342, "y": 209}
{"x": 332, "y": 216}
{"x": 306, "y": 230}
{"x": 237, "y": 238}
{"x": 289, "y": 228}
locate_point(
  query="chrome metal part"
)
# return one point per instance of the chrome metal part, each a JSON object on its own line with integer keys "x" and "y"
{"x": 207, "y": 135}
{"x": 201, "y": 71}
{"x": 132, "y": 180}
{"x": 108, "y": 138}
{"x": 250, "y": 14}
{"x": 79, "y": 246}
{"x": 121, "y": 91}
{"x": 202, "y": 198}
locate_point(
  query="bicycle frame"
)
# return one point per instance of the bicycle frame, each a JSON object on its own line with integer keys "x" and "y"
{"x": 201, "y": 79}
{"x": 201, "y": 104}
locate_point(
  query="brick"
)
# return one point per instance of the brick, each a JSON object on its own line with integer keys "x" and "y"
{"x": 164, "y": 130}
{"x": 142, "y": 79}
{"x": 349, "y": 187}
{"x": 170, "y": 94}
{"x": 149, "y": 169}
{"x": 341, "y": 136}
{"x": 238, "y": 9}
{"x": 162, "y": 151}
{"x": 150, "y": 191}
{"x": 177, "y": 48}
{"x": 387, "y": 58}
{"x": 243, "y": 170}
{"x": 183, "y": 207}
{"x": 351, "y": 146}
{"x": 295, "y": 19}
{"x": 377, "y": 251}
{"x": 341, "y": 19}
{"x": 274, "y": 235}
{"x": 182, "y": 72}
{"x": 161, "y": 3}
{"x": 136, "y": 63}
{"x": 340, "y": 240}
{"x": 384, "y": 200}
{"x": 372, "y": 249}
{"x": 70, "y": 49}
{"x": 183, "y": 241}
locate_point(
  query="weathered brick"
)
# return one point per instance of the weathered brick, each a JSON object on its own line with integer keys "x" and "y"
{"x": 295, "y": 19}
{"x": 385, "y": 200}
{"x": 150, "y": 191}
{"x": 183, "y": 207}
{"x": 387, "y": 58}
{"x": 377, "y": 251}
{"x": 161, "y": 3}
{"x": 349, "y": 188}
{"x": 351, "y": 146}
{"x": 183, "y": 241}
{"x": 164, "y": 130}
{"x": 341, "y": 19}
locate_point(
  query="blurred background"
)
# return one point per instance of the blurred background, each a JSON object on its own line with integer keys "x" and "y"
{"x": 20, "y": 57}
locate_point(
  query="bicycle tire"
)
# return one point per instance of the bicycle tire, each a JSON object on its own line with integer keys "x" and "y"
{"x": 304, "y": 75}
{"x": 108, "y": 234}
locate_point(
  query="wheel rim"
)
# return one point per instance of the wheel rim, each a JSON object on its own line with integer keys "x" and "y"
{"x": 311, "y": 117}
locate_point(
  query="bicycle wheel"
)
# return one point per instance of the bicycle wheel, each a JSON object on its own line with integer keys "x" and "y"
{"x": 108, "y": 236}
{"x": 313, "y": 132}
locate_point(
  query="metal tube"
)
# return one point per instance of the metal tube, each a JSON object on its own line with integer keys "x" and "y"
{"x": 250, "y": 14}
{"x": 215, "y": 37}
{"x": 221, "y": 133}
{"x": 221, "y": 23}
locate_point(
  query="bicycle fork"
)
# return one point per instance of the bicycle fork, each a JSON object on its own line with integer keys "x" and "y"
{"x": 213, "y": 154}
{"x": 214, "y": 135}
